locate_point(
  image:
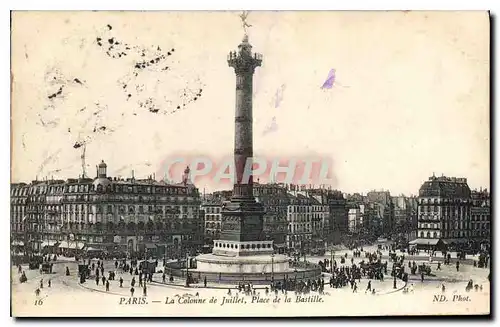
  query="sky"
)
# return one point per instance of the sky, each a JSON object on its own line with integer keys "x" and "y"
{"x": 409, "y": 95}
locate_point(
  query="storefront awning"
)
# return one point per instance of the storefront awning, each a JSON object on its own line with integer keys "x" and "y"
{"x": 455, "y": 240}
{"x": 49, "y": 243}
{"x": 91, "y": 249}
{"x": 425, "y": 241}
{"x": 161, "y": 245}
{"x": 71, "y": 245}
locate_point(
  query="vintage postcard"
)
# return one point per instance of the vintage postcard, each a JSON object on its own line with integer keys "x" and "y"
{"x": 243, "y": 164}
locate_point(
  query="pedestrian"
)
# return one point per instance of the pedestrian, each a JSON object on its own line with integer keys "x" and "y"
{"x": 103, "y": 280}
{"x": 369, "y": 286}
{"x": 97, "y": 280}
{"x": 145, "y": 291}
{"x": 49, "y": 283}
{"x": 205, "y": 281}
{"x": 439, "y": 266}
{"x": 163, "y": 278}
{"x": 443, "y": 288}
{"x": 107, "y": 286}
{"x": 37, "y": 292}
{"x": 132, "y": 291}
{"x": 121, "y": 282}
{"x": 41, "y": 283}
{"x": 458, "y": 265}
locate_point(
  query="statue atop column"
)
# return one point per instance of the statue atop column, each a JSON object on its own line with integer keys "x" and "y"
{"x": 244, "y": 23}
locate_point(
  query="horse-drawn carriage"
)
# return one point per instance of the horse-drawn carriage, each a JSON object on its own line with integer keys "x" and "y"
{"x": 83, "y": 272}
{"x": 483, "y": 260}
{"x": 83, "y": 269}
{"x": 35, "y": 262}
{"x": 47, "y": 268}
{"x": 147, "y": 267}
{"x": 426, "y": 270}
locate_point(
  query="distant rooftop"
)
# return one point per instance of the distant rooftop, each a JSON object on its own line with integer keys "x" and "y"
{"x": 446, "y": 187}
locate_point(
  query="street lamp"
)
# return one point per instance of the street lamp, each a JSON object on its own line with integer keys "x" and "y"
{"x": 395, "y": 274}
{"x": 272, "y": 268}
{"x": 331, "y": 261}
{"x": 187, "y": 269}
{"x": 304, "y": 242}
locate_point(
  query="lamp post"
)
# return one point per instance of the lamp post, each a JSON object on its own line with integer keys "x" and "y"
{"x": 304, "y": 249}
{"x": 331, "y": 261}
{"x": 187, "y": 269}
{"x": 272, "y": 268}
{"x": 395, "y": 274}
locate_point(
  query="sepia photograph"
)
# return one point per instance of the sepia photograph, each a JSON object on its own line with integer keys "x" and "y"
{"x": 250, "y": 163}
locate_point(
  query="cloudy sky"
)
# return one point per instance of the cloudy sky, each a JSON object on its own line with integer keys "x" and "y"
{"x": 410, "y": 93}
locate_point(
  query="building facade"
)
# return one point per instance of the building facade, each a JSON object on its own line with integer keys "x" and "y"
{"x": 384, "y": 202}
{"x": 299, "y": 236}
{"x": 114, "y": 215}
{"x": 405, "y": 216}
{"x": 275, "y": 201}
{"x": 481, "y": 216}
{"x": 213, "y": 220}
{"x": 444, "y": 210}
{"x": 338, "y": 216}
{"x": 18, "y": 213}
{"x": 355, "y": 217}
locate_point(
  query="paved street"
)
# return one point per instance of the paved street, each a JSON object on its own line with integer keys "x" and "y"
{"x": 66, "y": 289}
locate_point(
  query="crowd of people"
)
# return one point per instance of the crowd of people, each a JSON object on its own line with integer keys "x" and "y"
{"x": 342, "y": 272}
